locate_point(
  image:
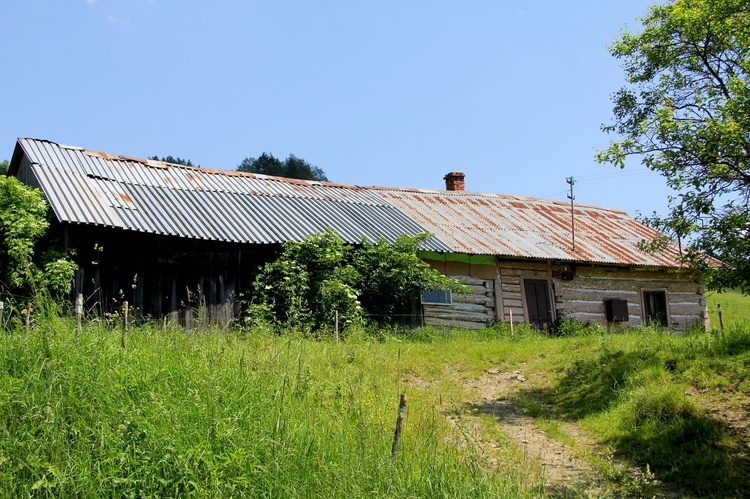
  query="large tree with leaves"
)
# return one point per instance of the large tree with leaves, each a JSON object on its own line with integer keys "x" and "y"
{"x": 291, "y": 167}
{"x": 685, "y": 112}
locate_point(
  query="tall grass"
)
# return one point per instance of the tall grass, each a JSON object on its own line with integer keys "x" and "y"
{"x": 647, "y": 393}
{"x": 215, "y": 414}
{"x": 219, "y": 415}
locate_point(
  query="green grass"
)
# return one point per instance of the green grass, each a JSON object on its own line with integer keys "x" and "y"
{"x": 735, "y": 307}
{"x": 213, "y": 415}
{"x": 258, "y": 415}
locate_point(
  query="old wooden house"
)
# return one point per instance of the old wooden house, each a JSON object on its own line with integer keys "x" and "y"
{"x": 176, "y": 240}
{"x": 518, "y": 256}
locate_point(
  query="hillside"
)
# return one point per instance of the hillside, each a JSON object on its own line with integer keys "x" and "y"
{"x": 250, "y": 413}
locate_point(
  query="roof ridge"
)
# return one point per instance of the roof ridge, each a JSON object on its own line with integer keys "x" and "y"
{"x": 510, "y": 197}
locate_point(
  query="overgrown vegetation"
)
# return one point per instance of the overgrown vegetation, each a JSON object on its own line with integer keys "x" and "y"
{"x": 214, "y": 415}
{"x": 24, "y": 222}
{"x": 321, "y": 278}
{"x": 247, "y": 413}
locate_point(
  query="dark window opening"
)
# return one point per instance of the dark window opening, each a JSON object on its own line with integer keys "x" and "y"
{"x": 437, "y": 297}
{"x": 655, "y": 308}
{"x": 616, "y": 310}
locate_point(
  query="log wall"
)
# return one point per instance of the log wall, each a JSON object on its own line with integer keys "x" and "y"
{"x": 474, "y": 310}
{"x": 583, "y": 297}
{"x": 577, "y": 292}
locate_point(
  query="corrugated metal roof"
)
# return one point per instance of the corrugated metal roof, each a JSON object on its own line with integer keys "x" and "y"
{"x": 86, "y": 187}
{"x": 95, "y": 188}
{"x": 493, "y": 224}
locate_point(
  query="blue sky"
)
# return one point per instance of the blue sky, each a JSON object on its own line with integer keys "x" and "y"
{"x": 513, "y": 93}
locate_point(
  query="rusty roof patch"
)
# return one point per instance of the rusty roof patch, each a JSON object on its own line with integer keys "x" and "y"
{"x": 86, "y": 186}
{"x": 493, "y": 224}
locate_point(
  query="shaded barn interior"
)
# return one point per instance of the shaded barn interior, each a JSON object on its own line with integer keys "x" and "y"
{"x": 187, "y": 281}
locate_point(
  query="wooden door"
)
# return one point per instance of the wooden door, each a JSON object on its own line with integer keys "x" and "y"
{"x": 537, "y": 302}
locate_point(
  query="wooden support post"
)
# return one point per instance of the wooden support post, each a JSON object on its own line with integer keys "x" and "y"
{"x": 721, "y": 316}
{"x": 125, "y": 325}
{"x": 511, "y": 323}
{"x": 2, "y": 305}
{"x": 28, "y": 317}
{"x": 79, "y": 316}
{"x": 399, "y": 425}
{"x": 336, "y": 326}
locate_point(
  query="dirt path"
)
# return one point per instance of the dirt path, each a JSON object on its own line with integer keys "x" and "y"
{"x": 565, "y": 469}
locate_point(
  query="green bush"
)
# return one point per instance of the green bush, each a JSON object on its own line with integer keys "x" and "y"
{"x": 23, "y": 223}
{"x": 313, "y": 280}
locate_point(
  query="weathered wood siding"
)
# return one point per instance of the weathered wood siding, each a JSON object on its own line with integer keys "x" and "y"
{"x": 580, "y": 296}
{"x": 473, "y": 310}
{"x": 188, "y": 282}
{"x": 510, "y": 277}
{"x": 583, "y": 297}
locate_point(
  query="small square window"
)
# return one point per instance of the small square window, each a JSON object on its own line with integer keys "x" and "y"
{"x": 437, "y": 297}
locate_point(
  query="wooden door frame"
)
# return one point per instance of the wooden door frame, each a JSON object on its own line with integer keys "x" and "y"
{"x": 550, "y": 298}
{"x": 647, "y": 289}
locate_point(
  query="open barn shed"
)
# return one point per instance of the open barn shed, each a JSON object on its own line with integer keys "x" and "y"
{"x": 175, "y": 240}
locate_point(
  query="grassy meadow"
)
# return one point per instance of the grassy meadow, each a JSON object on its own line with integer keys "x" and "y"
{"x": 734, "y": 307}
{"x": 254, "y": 414}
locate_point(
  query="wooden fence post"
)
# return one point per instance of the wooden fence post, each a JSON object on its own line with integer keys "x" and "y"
{"x": 721, "y": 316}
{"x": 79, "y": 316}
{"x": 125, "y": 325}
{"x": 1, "y": 315}
{"x": 336, "y": 326}
{"x": 399, "y": 424}
{"x": 511, "y": 323}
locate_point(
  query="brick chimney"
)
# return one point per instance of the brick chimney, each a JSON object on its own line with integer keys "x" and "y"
{"x": 454, "y": 181}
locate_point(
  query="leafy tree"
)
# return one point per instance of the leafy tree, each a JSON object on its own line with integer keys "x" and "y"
{"x": 173, "y": 160}
{"x": 313, "y": 279}
{"x": 291, "y": 167}
{"x": 4, "y": 167}
{"x": 685, "y": 112}
{"x": 23, "y": 222}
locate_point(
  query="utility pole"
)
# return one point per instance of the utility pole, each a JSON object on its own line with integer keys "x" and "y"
{"x": 571, "y": 181}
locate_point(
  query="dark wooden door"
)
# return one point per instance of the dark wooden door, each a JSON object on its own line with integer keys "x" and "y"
{"x": 537, "y": 302}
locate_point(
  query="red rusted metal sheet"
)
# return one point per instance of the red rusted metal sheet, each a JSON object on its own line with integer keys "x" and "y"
{"x": 493, "y": 224}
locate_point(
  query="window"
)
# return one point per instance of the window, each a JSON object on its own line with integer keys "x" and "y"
{"x": 437, "y": 297}
{"x": 655, "y": 307}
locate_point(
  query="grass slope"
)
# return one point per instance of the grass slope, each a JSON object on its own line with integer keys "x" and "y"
{"x": 212, "y": 415}
{"x": 227, "y": 415}
{"x": 734, "y": 306}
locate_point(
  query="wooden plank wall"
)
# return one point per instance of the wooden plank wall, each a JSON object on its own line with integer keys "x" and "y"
{"x": 583, "y": 297}
{"x": 474, "y": 310}
{"x": 510, "y": 276}
{"x": 498, "y": 291}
